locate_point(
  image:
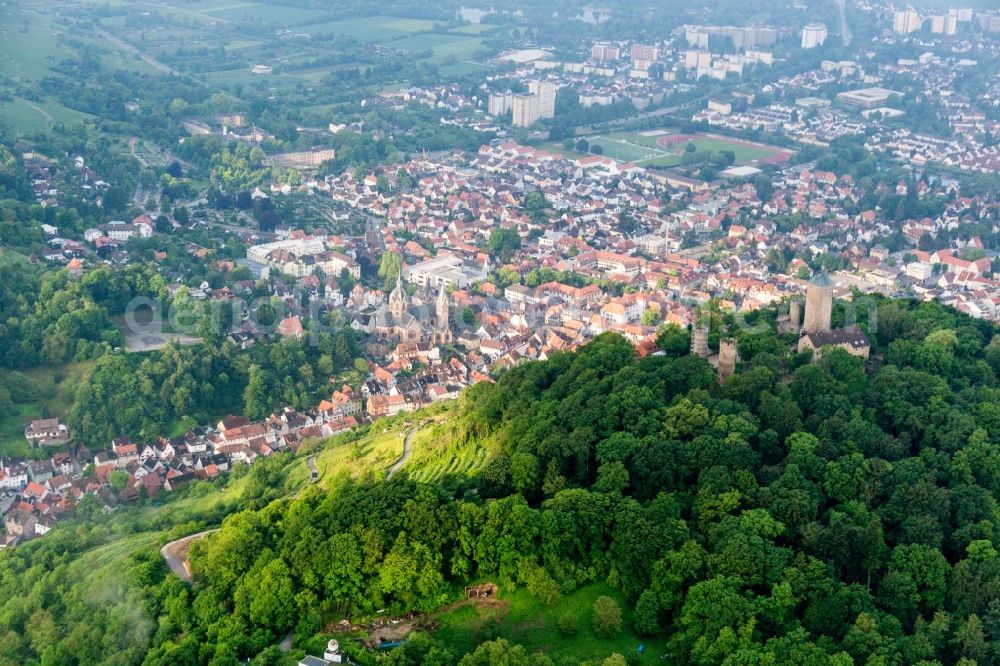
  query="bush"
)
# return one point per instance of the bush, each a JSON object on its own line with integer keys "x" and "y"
{"x": 542, "y": 587}
{"x": 607, "y": 618}
{"x": 567, "y": 623}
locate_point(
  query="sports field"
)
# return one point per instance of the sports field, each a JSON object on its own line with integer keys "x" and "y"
{"x": 661, "y": 148}
{"x": 747, "y": 152}
{"x": 623, "y": 150}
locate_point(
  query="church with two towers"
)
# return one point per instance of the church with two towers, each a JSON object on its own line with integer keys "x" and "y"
{"x": 400, "y": 320}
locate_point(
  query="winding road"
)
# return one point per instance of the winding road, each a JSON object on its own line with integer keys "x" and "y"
{"x": 175, "y": 553}
{"x": 406, "y": 454}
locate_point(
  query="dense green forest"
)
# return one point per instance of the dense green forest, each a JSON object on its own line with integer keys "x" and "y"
{"x": 52, "y": 318}
{"x": 803, "y": 512}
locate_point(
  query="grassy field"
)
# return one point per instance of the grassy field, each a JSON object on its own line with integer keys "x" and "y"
{"x": 475, "y": 28}
{"x": 618, "y": 149}
{"x": 625, "y": 151}
{"x": 665, "y": 150}
{"x": 371, "y": 28}
{"x": 29, "y": 117}
{"x": 259, "y": 13}
{"x": 30, "y": 46}
{"x": 520, "y": 618}
{"x": 240, "y": 44}
{"x": 12, "y": 441}
{"x": 12, "y": 258}
{"x": 442, "y": 45}
{"x": 56, "y": 388}
{"x": 745, "y": 152}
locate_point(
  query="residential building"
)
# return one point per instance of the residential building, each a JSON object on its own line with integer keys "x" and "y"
{"x": 906, "y": 21}
{"x": 642, "y": 52}
{"x": 500, "y": 103}
{"x": 291, "y": 327}
{"x": 604, "y": 52}
{"x": 46, "y": 432}
{"x": 546, "y": 93}
{"x": 945, "y": 24}
{"x": 526, "y": 110}
{"x": 851, "y": 339}
{"x": 300, "y": 257}
{"x": 813, "y": 35}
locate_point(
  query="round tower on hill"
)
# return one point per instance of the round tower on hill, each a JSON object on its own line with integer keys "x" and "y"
{"x": 699, "y": 341}
{"x": 727, "y": 358}
{"x": 795, "y": 314}
{"x": 819, "y": 304}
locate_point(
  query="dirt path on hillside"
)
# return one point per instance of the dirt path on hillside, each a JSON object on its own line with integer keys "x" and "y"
{"x": 406, "y": 454}
{"x": 175, "y": 553}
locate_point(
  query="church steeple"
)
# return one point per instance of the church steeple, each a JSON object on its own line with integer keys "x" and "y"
{"x": 441, "y": 306}
{"x": 398, "y": 301}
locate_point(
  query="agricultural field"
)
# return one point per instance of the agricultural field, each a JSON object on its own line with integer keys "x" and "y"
{"x": 663, "y": 148}
{"x": 33, "y": 45}
{"x": 442, "y": 45}
{"x": 34, "y": 42}
{"x": 260, "y": 13}
{"x": 30, "y": 49}
{"x": 240, "y": 44}
{"x": 353, "y": 456}
{"x": 522, "y": 619}
{"x": 371, "y": 28}
{"x": 22, "y": 117}
{"x": 475, "y": 28}
{"x": 438, "y": 449}
{"x": 178, "y": 34}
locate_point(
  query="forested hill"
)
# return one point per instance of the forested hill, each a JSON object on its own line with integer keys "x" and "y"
{"x": 800, "y": 513}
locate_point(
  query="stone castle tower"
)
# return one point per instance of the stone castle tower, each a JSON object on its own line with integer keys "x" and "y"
{"x": 795, "y": 314}
{"x": 699, "y": 341}
{"x": 727, "y": 358}
{"x": 819, "y": 304}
